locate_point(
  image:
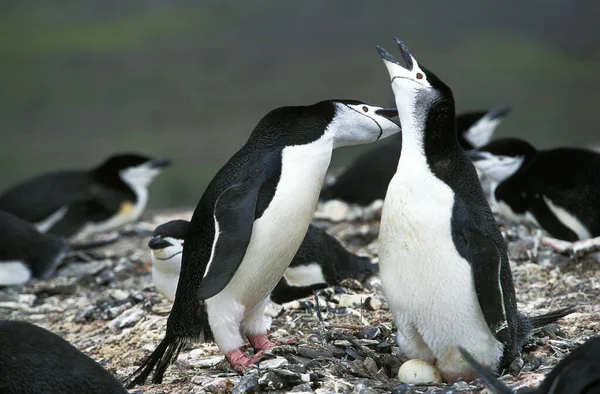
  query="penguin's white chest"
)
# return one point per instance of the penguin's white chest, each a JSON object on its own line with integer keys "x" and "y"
{"x": 165, "y": 272}
{"x": 278, "y": 233}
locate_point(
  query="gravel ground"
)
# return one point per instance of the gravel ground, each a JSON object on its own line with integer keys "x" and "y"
{"x": 104, "y": 303}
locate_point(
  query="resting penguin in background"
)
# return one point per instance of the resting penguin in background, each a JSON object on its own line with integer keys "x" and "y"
{"x": 320, "y": 262}
{"x": 250, "y": 223}
{"x": 26, "y": 253}
{"x": 442, "y": 259}
{"x": 578, "y": 373}
{"x": 367, "y": 178}
{"x": 556, "y": 189}
{"x": 78, "y": 201}
{"x": 34, "y": 360}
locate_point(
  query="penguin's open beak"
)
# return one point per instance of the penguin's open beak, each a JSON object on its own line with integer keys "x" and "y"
{"x": 498, "y": 112}
{"x": 157, "y": 242}
{"x": 160, "y": 163}
{"x": 387, "y": 112}
{"x": 387, "y": 57}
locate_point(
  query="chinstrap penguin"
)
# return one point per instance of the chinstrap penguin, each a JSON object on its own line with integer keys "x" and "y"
{"x": 366, "y": 179}
{"x": 250, "y": 223}
{"x": 78, "y": 201}
{"x": 555, "y": 189}
{"x": 37, "y": 361}
{"x": 578, "y": 373}
{"x": 321, "y": 261}
{"x": 442, "y": 259}
{"x": 26, "y": 253}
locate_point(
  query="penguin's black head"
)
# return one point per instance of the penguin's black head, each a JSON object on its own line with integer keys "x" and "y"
{"x": 168, "y": 234}
{"x": 477, "y": 127}
{"x": 417, "y": 90}
{"x": 134, "y": 169}
{"x": 502, "y": 158}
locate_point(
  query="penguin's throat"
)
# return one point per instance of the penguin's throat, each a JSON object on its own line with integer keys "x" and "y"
{"x": 413, "y": 133}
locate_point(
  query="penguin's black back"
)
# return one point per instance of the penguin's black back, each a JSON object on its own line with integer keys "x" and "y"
{"x": 34, "y": 360}
{"x": 22, "y": 242}
{"x": 259, "y": 157}
{"x": 569, "y": 177}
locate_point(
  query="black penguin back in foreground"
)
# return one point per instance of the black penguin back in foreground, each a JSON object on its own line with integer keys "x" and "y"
{"x": 21, "y": 242}
{"x": 325, "y": 253}
{"x": 366, "y": 179}
{"x": 567, "y": 178}
{"x": 578, "y": 373}
{"x": 34, "y": 360}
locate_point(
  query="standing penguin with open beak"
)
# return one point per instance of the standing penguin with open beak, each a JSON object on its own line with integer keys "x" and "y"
{"x": 250, "y": 223}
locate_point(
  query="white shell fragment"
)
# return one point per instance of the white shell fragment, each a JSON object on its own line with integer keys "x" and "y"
{"x": 419, "y": 372}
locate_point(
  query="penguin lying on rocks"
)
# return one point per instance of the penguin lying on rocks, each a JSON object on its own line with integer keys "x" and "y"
{"x": 250, "y": 223}
{"x": 36, "y": 361}
{"x": 320, "y": 262}
{"x": 556, "y": 189}
{"x": 367, "y": 178}
{"x": 442, "y": 259}
{"x": 79, "y": 201}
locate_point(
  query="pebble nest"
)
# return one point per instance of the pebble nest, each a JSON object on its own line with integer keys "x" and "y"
{"x": 104, "y": 303}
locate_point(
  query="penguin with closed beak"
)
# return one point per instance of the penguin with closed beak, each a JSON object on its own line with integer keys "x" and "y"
{"x": 25, "y": 253}
{"x": 367, "y": 178}
{"x": 321, "y": 261}
{"x": 556, "y": 189}
{"x": 442, "y": 259}
{"x": 578, "y": 373}
{"x": 86, "y": 201}
{"x": 250, "y": 223}
{"x": 37, "y": 361}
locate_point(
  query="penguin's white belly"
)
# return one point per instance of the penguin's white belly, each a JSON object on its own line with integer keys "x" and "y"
{"x": 569, "y": 220}
{"x": 278, "y": 233}
{"x": 428, "y": 285}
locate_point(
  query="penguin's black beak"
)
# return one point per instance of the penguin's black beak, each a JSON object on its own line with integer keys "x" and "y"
{"x": 403, "y": 51}
{"x": 498, "y": 112}
{"x": 157, "y": 242}
{"x": 387, "y": 112}
{"x": 160, "y": 163}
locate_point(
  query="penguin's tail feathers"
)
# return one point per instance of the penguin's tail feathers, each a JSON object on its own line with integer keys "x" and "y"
{"x": 161, "y": 358}
{"x": 539, "y": 322}
{"x": 488, "y": 377}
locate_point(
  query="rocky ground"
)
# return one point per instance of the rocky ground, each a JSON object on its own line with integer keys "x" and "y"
{"x": 105, "y": 304}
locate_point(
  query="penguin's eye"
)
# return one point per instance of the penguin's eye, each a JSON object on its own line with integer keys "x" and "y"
{"x": 365, "y": 108}
{"x": 419, "y": 76}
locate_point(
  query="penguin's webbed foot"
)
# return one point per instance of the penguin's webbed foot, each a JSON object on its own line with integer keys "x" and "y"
{"x": 240, "y": 361}
{"x": 262, "y": 342}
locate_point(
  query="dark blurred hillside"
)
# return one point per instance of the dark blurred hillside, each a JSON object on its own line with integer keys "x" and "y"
{"x": 190, "y": 79}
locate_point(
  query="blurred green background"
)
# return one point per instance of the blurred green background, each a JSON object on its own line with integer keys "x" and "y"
{"x": 189, "y": 80}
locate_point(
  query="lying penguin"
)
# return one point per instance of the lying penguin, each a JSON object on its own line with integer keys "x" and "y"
{"x": 79, "y": 201}
{"x": 442, "y": 259}
{"x": 36, "y": 361}
{"x": 250, "y": 223}
{"x": 578, "y": 373}
{"x": 556, "y": 189}
{"x": 367, "y": 178}
{"x": 26, "y": 253}
{"x": 320, "y": 262}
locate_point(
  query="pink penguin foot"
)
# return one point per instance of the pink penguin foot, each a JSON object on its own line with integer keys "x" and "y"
{"x": 262, "y": 342}
{"x": 240, "y": 361}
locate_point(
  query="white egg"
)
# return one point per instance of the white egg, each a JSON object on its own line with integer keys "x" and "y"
{"x": 419, "y": 372}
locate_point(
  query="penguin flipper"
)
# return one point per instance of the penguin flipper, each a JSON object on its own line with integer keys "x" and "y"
{"x": 486, "y": 265}
{"x": 234, "y": 219}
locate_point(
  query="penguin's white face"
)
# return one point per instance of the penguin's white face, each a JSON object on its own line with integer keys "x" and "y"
{"x": 498, "y": 168}
{"x": 140, "y": 176}
{"x": 166, "y": 254}
{"x": 358, "y": 123}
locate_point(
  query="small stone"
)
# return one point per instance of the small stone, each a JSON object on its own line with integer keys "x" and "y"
{"x": 352, "y": 284}
{"x": 370, "y": 332}
{"x": 126, "y": 319}
{"x": 314, "y": 352}
{"x": 119, "y": 294}
{"x": 204, "y": 362}
{"x": 402, "y": 389}
{"x": 516, "y": 364}
{"x": 273, "y": 363}
{"x": 27, "y": 299}
{"x": 248, "y": 384}
{"x": 460, "y": 385}
{"x": 418, "y": 372}
{"x": 302, "y": 388}
{"x": 371, "y": 366}
{"x": 219, "y": 385}
{"x": 373, "y": 303}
